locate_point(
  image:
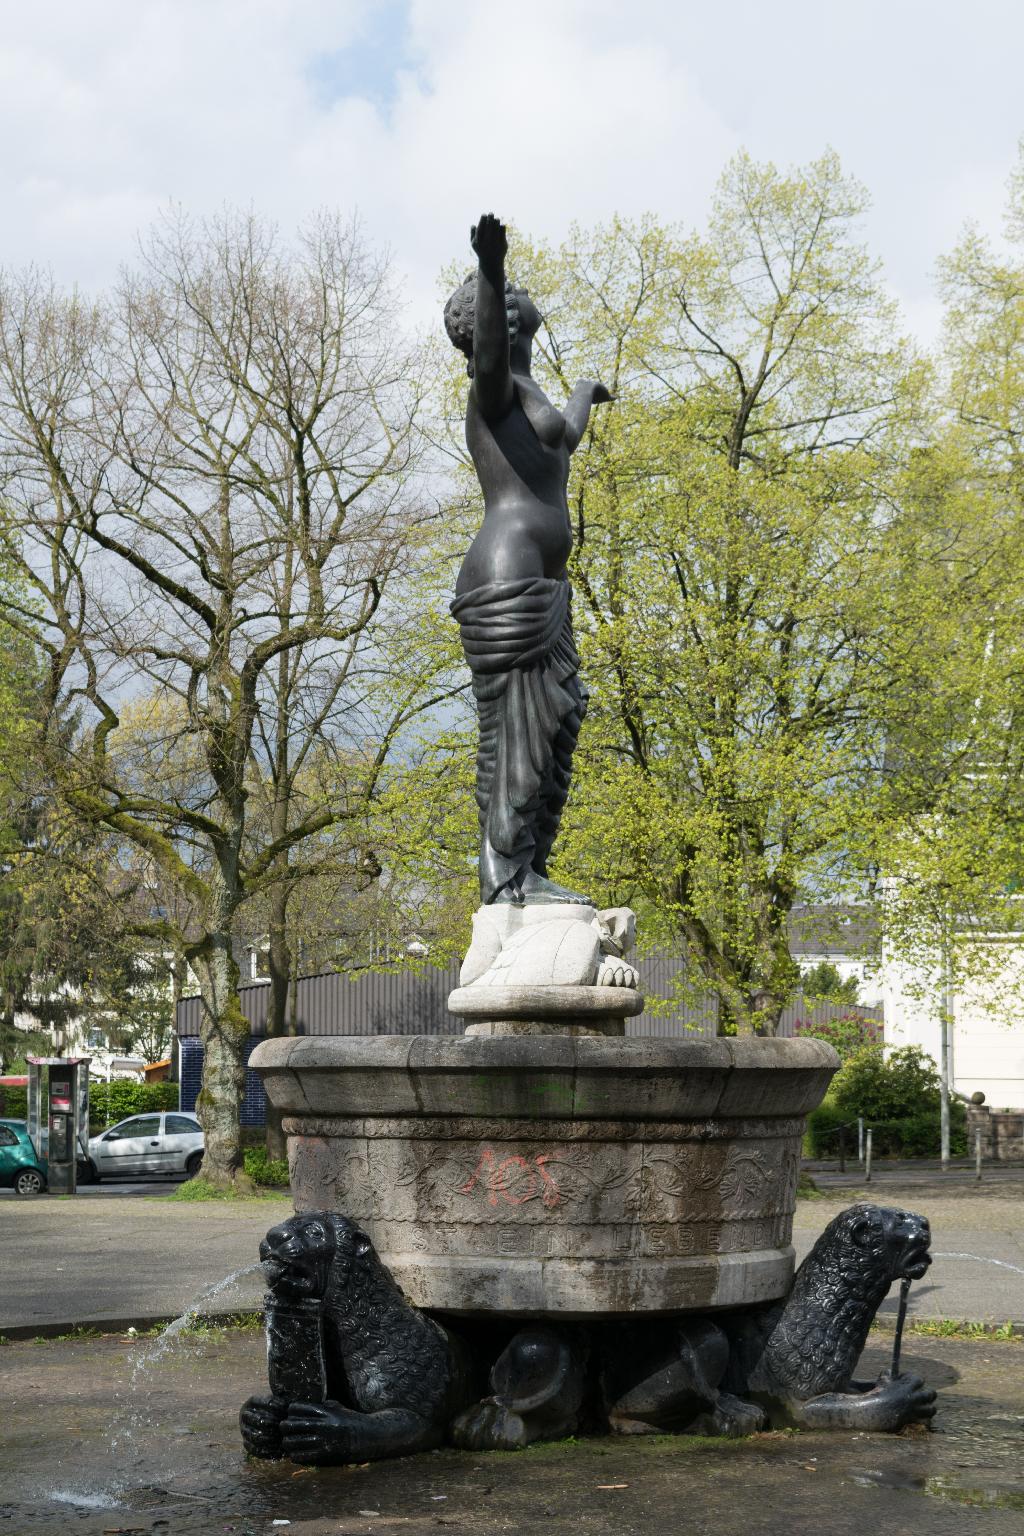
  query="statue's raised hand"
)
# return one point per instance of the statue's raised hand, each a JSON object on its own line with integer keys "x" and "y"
{"x": 490, "y": 242}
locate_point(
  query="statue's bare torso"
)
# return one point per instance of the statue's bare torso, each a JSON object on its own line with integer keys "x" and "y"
{"x": 522, "y": 463}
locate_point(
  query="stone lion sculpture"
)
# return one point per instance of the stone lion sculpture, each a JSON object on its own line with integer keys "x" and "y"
{"x": 391, "y": 1377}
{"x": 358, "y": 1373}
{"x": 791, "y": 1363}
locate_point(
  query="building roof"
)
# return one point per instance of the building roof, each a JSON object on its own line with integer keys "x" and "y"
{"x": 824, "y": 928}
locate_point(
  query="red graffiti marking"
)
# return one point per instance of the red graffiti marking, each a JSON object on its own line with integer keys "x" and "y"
{"x": 513, "y": 1180}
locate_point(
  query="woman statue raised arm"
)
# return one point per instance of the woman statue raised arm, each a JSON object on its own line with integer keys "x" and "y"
{"x": 512, "y": 598}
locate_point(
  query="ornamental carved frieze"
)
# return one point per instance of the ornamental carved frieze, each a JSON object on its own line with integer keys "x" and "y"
{"x": 593, "y": 1183}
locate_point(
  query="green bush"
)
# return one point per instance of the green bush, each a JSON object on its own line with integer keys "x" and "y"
{"x": 886, "y": 1085}
{"x": 898, "y": 1093}
{"x": 14, "y": 1105}
{"x": 823, "y": 1124}
{"x": 268, "y": 1172}
{"x": 848, "y": 1034}
{"x": 116, "y": 1100}
{"x": 108, "y": 1102}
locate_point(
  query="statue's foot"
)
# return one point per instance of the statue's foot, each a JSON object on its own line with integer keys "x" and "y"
{"x": 734, "y": 1418}
{"x": 890, "y": 1405}
{"x": 489, "y": 1426}
{"x": 614, "y": 972}
{"x": 536, "y": 889}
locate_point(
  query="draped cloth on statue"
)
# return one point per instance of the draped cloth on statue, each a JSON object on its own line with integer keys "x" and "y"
{"x": 517, "y": 638}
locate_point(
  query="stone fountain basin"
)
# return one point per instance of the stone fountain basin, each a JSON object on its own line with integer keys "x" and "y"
{"x": 556, "y": 1176}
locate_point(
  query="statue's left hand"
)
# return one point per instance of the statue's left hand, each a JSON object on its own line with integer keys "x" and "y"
{"x": 599, "y": 393}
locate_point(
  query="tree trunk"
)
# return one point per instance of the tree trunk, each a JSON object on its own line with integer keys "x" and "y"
{"x": 224, "y": 1032}
{"x": 278, "y": 1010}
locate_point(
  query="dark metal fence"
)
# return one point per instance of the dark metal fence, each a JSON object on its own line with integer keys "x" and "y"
{"x": 413, "y": 1001}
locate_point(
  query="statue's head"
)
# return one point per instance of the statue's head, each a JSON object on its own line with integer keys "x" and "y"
{"x": 299, "y": 1256}
{"x": 880, "y": 1240}
{"x": 459, "y": 312}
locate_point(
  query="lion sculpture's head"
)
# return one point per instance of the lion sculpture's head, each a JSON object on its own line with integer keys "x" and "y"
{"x": 303, "y": 1255}
{"x": 880, "y": 1242}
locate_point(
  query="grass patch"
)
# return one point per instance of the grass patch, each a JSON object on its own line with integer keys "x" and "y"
{"x": 223, "y": 1322}
{"x": 73, "y": 1335}
{"x": 973, "y": 1498}
{"x": 806, "y": 1189}
{"x": 950, "y": 1328}
{"x": 955, "y": 1328}
{"x": 248, "y": 1321}
{"x": 651, "y": 1445}
{"x": 201, "y": 1189}
{"x": 268, "y": 1174}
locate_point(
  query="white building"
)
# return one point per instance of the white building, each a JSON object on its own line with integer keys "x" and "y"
{"x": 845, "y": 937}
{"x": 987, "y": 1037}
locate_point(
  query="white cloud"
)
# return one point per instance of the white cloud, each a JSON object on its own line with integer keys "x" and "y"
{"x": 423, "y": 112}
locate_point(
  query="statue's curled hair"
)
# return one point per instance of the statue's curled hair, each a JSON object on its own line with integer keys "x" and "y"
{"x": 460, "y": 311}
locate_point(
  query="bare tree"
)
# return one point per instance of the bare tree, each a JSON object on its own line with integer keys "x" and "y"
{"x": 210, "y": 471}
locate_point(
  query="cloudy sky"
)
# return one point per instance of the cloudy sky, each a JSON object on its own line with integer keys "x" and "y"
{"x": 419, "y": 113}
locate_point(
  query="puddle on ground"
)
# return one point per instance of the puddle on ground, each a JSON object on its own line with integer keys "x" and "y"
{"x": 887, "y": 1477}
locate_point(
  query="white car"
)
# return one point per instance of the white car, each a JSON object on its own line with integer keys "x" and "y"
{"x": 171, "y": 1142}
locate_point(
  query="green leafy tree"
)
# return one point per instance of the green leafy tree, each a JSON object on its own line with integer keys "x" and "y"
{"x": 823, "y": 983}
{"x": 955, "y": 867}
{"x": 773, "y": 582}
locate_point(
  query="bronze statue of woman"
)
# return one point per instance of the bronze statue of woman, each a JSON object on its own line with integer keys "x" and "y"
{"x": 512, "y": 598}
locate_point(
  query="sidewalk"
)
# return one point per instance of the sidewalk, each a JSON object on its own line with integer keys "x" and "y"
{"x": 977, "y": 1271}
{"x": 126, "y": 1260}
{"x": 118, "y": 1260}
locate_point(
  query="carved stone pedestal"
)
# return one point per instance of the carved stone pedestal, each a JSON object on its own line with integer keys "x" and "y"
{"x": 551, "y": 1176}
{"x": 545, "y": 1010}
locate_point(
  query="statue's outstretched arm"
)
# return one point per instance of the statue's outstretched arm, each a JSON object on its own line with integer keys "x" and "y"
{"x": 492, "y": 372}
{"x": 588, "y": 393}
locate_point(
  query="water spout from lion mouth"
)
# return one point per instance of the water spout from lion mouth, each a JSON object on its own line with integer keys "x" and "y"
{"x": 916, "y": 1263}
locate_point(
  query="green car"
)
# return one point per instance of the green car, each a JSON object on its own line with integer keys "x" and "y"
{"x": 20, "y": 1169}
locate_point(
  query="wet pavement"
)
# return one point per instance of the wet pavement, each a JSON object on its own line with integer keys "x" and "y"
{"x": 83, "y": 1452}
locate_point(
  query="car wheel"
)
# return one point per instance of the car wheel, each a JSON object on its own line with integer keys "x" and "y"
{"x": 29, "y": 1182}
{"x": 193, "y": 1165}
